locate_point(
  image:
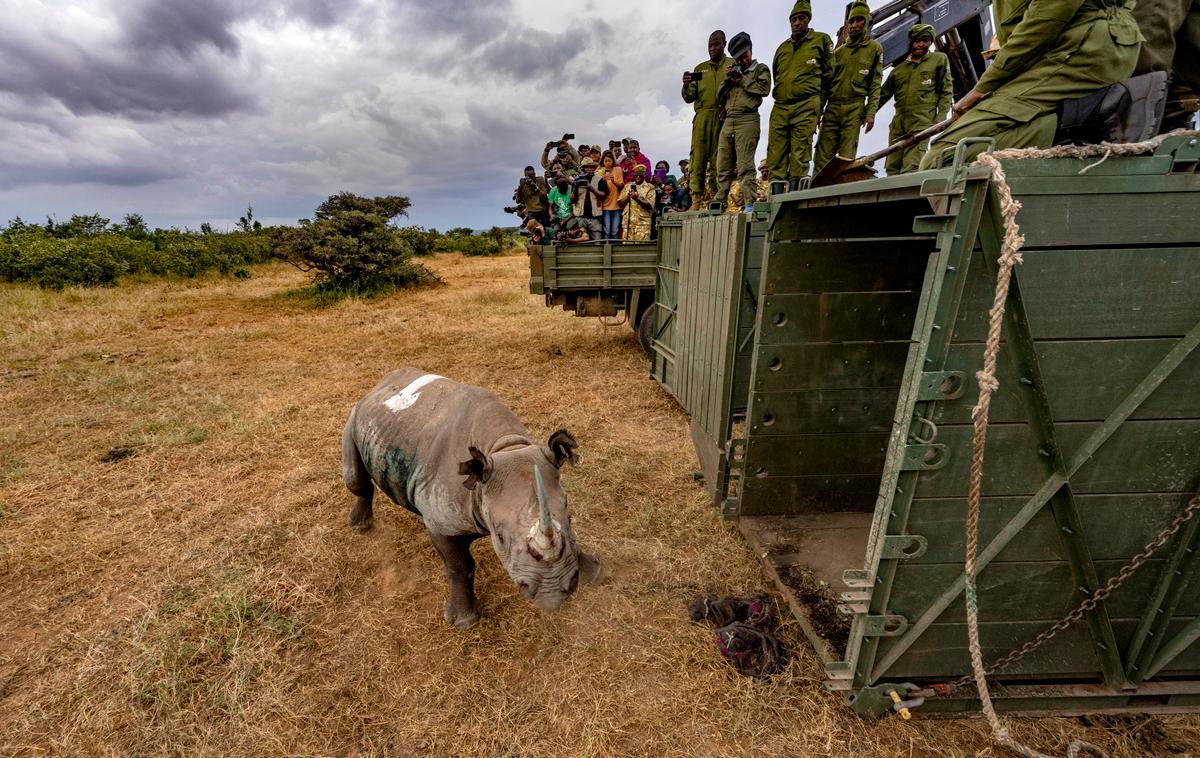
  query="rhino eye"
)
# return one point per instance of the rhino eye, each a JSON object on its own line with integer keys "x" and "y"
{"x": 536, "y": 555}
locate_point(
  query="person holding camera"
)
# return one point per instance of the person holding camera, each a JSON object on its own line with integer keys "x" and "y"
{"x": 634, "y": 157}
{"x": 701, "y": 86}
{"x": 532, "y": 192}
{"x": 747, "y": 82}
{"x": 803, "y": 69}
{"x": 587, "y": 198}
{"x": 639, "y": 197}
{"x": 610, "y": 218}
{"x": 857, "y": 76}
{"x": 567, "y": 156}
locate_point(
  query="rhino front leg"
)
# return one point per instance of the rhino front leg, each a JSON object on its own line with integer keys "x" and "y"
{"x": 462, "y": 609}
{"x": 358, "y": 481}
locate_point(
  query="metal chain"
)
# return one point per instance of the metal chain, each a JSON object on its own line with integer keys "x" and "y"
{"x": 1095, "y": 599}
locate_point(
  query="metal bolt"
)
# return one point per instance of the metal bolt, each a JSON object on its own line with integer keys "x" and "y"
{"x": 1026, "y": 380}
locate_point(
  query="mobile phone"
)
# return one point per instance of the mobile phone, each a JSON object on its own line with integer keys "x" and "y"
{"x": 696, "y": 75}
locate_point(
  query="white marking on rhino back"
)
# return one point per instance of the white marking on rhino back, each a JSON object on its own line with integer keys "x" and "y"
{"x": 405, "y": 398}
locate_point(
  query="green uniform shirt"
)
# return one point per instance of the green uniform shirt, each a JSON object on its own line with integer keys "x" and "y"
{"x": 858, "y": 73}
{"x": 747, "y": 96}
{"x": 703, "y": 94}
{"x": 923, "y": 90}
{"x": 803, "y": 69}
{"x": 1042, "y": 23}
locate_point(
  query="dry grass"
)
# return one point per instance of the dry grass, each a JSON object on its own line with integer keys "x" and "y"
{"x": 202, "y": 595}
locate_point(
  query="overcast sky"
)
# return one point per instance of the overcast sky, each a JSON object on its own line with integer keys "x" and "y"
{"x": 188, "y": 110}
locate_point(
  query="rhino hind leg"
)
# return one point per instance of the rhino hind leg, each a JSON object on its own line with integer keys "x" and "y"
{"x": 358, "y": 481}
{"x": 462, "y": 609}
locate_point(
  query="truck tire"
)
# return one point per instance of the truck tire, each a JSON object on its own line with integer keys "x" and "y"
{"x": 645, "y": 330}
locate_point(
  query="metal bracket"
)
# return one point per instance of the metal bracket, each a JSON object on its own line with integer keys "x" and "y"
{"x": 731, "y": 507}
{"x": 924, "y": 457}
{"x": 942, "y": 385}
{"x": 903, "y": 546}
{"x": 840, "y": 676}
{"x": 887, "y": 625}
{"x": 873, "y": 702}
{"x": 932, "y": 224}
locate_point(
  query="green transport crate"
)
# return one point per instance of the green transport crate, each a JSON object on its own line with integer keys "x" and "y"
{"x": 849, "y": 470}
{"x": 597, "y": 279}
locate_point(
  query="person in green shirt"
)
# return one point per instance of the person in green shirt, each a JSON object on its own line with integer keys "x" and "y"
{"x": 923, "y": 90}
{"x": 747, "y": 83}
{"x": 1050, "y": 51}
{"x": 700, "y": 88}
{"x": 854, "y": 96}
{"x": 803, "y": 72}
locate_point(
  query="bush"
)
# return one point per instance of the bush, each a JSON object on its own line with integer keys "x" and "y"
{"x": 350, "y": 246}
{"x": 422, "y": 241}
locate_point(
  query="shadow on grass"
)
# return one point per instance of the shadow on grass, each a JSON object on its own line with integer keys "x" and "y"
{"x": 329, "y": 292}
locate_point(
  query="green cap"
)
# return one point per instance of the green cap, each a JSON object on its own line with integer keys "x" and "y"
{"x": 801, "y": 6}
{"x": 860, "y": 10}
{"x": 921, "y": 30}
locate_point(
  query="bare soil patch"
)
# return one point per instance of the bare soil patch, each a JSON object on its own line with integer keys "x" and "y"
{"x": 202, "y": 594}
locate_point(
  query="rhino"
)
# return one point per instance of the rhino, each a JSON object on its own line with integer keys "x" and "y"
{"x": 461, "y": 460}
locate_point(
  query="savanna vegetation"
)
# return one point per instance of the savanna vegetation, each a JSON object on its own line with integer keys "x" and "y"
{"x": 352, "y": 245}
{"x": 179, "y": 577}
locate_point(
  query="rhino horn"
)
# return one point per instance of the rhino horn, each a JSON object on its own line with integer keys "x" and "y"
{"x": 546, "y": 526}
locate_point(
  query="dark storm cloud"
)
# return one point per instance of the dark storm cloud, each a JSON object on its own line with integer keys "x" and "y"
{"x": 466, "y": 21}
{"x": 170, "y": 58}
{"x": 537, "y": 55}
{"x": 321, "y": 13}
{"x": 113, "y": 176}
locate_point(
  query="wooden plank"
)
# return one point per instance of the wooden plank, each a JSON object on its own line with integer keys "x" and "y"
{"x": 1076, "y": 395}
{"x": 1141, "y": 456}
{"x": 784, "y": 495}
{"x": 815, "y": 454}
{"x": 1095, "y": 294}
{"x": 830, "y": 365}
{"x": 840, "y": 221}
{"x": 847, "y": 266}
{"x": 1091, "y": 219}
{"x": 827, "y": 410}
{"x": 942, "y": 652}
{"x": 1114, "y": 526}
{"x": 1024, "y": 591}
{"x": 838, "y": 317}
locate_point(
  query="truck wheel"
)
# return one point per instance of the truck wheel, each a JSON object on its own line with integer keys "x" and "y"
{"x": 645, "y": 330}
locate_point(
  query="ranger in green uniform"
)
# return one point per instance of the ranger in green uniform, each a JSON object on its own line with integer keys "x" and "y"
{"x": 747, "y": 83}
{"x": 700, "y": 87}
{"x": 1172, "y": 31}
{"x": 923, "y": 90}
{"x": 1050, "y": 51}
{"x": 803, "y": 70}
{"x": 857, "y": 74}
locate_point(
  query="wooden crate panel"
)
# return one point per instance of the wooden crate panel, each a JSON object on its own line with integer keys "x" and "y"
{"x": 808, "y": 494}
{"x": 837, "y": 317}
{"x": 1025, "y": 591}
{"x": 1122, "y": 218}
{"x": 826, "y": 410}
{"x": 831, "y": 365}
{"x": 847, "y": 266}
{"x": 1141, "y": 456}
{"x": 1075, "y": 395}
{"x": 1094, "y": 294}
{"x": 816, "y": 455}
{"x": 1115, "y": 526}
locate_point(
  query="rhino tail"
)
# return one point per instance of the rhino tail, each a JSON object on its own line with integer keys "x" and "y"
{"x": 358, "y": 480}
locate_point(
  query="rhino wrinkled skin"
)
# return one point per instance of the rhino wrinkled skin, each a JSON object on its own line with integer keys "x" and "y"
{"x": 461, "y": 460}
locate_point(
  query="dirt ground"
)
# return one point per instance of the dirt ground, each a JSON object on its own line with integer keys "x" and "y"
{"x": 178, "y": 577}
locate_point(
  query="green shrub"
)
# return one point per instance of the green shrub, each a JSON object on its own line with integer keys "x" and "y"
{"x": 350, "y": 246}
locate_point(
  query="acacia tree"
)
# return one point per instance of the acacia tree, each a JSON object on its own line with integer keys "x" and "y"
{"x": 350, "y": 244}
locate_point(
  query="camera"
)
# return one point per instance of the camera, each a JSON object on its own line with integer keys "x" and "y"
{"x": 581, "y": 181}
{"x": 696, "y": 75}
{"x": 568, "y": 136}
{"x": 551, "y": 145}
{"x": 518, "y": 208}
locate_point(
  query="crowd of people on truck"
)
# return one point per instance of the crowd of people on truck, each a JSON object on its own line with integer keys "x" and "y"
{"x": 826, "y": 95}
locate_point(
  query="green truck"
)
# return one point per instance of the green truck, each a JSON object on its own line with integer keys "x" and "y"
{"x": 598, "y": 279}
{"x": 826, "y": 349}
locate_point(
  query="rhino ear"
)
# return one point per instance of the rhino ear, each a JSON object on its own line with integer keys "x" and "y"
{"x": 563, "y": 445}
{"x": 478, "y": 469}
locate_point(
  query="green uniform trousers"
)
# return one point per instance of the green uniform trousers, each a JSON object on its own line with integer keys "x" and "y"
{"x": 735, "y": 155}
{"x": 1172, "y": 32}
{"x": 840, "y": 125}
{"x": 790, "y": 139}
{"x": 908, "y": 159}
{"x": 1022, "y": 112}
{"x": 705, "y": 129}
